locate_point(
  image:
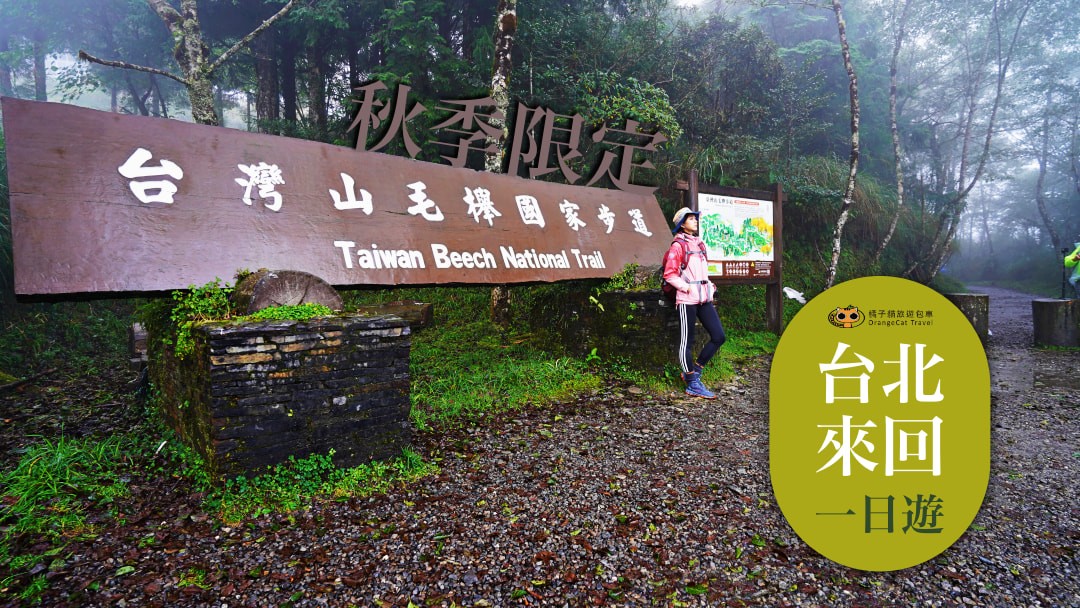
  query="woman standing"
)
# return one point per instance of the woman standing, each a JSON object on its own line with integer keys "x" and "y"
{"x": 686, "y": 268}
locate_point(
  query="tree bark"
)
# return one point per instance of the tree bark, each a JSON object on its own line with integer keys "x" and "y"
{"x": 1074, "y": 152}
{"x": 1040, "y": 183}
{"x": 505, "y": 28}
{"x": 853, "y": 160}
{"x": 266, "y": 91}
{"x": 288, "y": 80}
{"x": 901, "y": 23}
{"x": 40, "y": 78}
{"x": 317, "y": 69}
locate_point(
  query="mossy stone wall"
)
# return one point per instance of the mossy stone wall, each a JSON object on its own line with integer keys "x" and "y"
{"x": 638, "y": 328}
{"x": 254, "y": 394}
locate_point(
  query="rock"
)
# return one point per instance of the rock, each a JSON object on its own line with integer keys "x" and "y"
{"x": 265, "y": 288}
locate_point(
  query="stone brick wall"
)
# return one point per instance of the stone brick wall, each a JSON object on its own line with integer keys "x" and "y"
{"x": 253, "y": 394}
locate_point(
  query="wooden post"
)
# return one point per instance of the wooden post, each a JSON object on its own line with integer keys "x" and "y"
{"x": 976, "y": 307}
{"x": 692, "y": 191}
{"x": 1056, "y": 322}
{"x": 774, "y": 298}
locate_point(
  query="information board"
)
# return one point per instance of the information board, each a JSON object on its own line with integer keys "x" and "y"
{"x": 738, "y": 234}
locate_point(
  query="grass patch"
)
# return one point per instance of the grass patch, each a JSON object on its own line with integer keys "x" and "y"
{"x": 55, "y": 481}
{"x": 462, "y": 374}
{"x": 84, "y": 337}
{"x": 297, "y": 483}
{"x": 49, "y": 495}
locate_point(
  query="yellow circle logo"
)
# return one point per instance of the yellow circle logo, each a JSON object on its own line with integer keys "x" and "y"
{"x": 846, "y": 317}
{"x": 879, "y": 439}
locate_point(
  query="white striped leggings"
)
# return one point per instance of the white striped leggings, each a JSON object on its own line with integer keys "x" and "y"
{"x": 710, "y": 320}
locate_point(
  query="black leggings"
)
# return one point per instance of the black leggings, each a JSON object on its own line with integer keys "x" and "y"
{"x": 706, "y": 313}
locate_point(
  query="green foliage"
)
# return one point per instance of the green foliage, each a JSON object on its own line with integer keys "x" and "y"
{"x": 625, "y": 279}
{"x": 295, "y": 484}
{"x": 465, "y": 368}
{"x": 814, "y": 187}
{"x": 210, "y": 302}
{"x": 298, "y": 312}
{"x": 172, "y": 320}
{"x": 452, "y": 305}
{"x": 49, "y": 488}
{"x": 51, "y": 491}
{"x": 610, "y": 98}
{"x": 82, "y": 337}
{"x": 464, "y": 373}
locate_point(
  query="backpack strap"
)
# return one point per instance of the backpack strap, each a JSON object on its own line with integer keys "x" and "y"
{"x": 686, "y": 259}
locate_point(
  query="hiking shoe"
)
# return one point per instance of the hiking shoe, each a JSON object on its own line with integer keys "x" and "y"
{"x": 695, "y": 388}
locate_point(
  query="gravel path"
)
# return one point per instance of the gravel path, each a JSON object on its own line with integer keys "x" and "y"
{"x": 622, "y": 498}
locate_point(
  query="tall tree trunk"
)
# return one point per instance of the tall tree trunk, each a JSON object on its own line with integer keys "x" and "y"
{"x": 505, "y": 28}
{"x": 317, "y": 91}
{"x": 1040, "y": 184}
{"x": 1074, "y": 152}
{"x": 160, "y": 102}
{"x": 990, "y": 258}
{"x": 289, "y": 50}
{"x": 133, "y": 93}
{"x": 853, "y": 160}
{"x": 40, "y": 74}
{"x": 7, "y": 85}
{"x": 901, "y": 22}
{"x": 266, "y": 90}
{"x": 959, "y": 203}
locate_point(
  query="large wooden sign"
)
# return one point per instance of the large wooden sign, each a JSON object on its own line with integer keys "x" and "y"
{"x": 109, "y": 202}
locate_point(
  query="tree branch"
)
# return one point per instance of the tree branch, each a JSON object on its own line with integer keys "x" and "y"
{"x": 247, "y": 39}
{"x": 130, "y": 66}
{"x": 168, "y": 14}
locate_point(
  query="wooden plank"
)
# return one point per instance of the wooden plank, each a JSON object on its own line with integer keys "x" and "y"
{"x": 79, "y": 225}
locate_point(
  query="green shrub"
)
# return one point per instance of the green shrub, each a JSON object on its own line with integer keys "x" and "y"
{"x": 297, "y": 312}
{"x": 209, "y": 302}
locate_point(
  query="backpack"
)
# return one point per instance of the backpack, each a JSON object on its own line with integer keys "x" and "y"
{"x": 666, "y": 288}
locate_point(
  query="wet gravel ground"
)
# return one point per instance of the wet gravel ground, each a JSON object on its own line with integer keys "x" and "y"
{"x": 621, "y": 498}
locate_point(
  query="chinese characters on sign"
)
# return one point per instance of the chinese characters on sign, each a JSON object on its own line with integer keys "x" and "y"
{"x": 883, "y": 463}
{"x": 478, "y": 205}
{"x": 540, "y": 137}
{"x": 134, "y": 168}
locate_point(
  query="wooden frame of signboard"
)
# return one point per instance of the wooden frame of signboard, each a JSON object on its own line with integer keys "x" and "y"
{"x": 768, "y": 272}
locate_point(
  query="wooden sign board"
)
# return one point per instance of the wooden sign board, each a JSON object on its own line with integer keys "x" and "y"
{"x": 104, "y": 202}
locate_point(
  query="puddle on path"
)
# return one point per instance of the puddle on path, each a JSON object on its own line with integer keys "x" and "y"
{"x": 1069, "y": 379}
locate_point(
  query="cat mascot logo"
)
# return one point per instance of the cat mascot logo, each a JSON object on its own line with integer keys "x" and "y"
{"x": 846, "y": 317}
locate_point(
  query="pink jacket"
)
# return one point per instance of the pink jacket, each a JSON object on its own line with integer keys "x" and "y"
{"x": 696, "y": 274}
